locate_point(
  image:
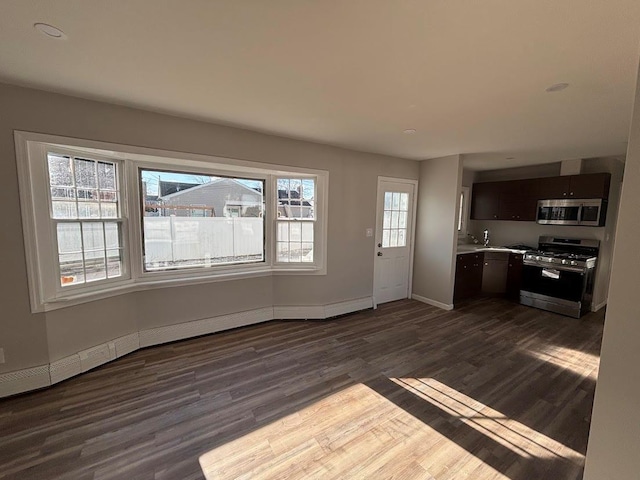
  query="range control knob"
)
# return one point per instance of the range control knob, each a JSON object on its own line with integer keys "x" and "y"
{"x": 573, "y": 262}
{"x": 564, "y": 262}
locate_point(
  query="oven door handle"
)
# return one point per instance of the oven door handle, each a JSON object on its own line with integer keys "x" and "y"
{"x": 554, "y": 266}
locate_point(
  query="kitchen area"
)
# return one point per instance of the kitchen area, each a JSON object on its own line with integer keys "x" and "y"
{"x": 540, "y": 235}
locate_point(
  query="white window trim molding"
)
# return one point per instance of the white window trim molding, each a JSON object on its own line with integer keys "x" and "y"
{"x": 465, "y": 211}
{"x": 38, "y": 255}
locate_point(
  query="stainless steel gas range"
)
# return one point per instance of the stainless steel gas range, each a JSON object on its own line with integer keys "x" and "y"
{"x": 559, "y": 275}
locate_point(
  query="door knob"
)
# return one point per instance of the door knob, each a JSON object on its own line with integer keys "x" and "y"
{"x": 379, "y": 245}
{"x": 379, "y": 254}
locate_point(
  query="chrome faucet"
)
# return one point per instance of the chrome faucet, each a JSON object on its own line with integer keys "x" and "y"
{"x": 485, "y": 238}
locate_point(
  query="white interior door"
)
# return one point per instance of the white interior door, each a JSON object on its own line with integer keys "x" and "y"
{"x": 394, "y": 238}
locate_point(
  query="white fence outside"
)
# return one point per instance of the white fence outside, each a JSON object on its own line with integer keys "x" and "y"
{"x": 196, "y": 241}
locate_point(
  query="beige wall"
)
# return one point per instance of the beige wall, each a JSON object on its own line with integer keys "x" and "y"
{"x": 614, "y": 440}
{"x": 436, "y": 232}
{"x": 31, "y": 340}
{"x": 509, "y": 233}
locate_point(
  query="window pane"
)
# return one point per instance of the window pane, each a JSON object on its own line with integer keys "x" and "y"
{"x": 385, "y": 238}
{"x": 112, "y": 235}
{"x": 388, "y": 196}
{"x": 71, "y": 269}
{"x": 195, "y": 220}
{"x": 59, "y": 170}
{"x": 307, "y": 232}
{"x": 63, "y": 193}
{"x": 402, "y": 240}
{"x": 106, "y": 176}
{"x": 87, "y": 194}
{"x": 402, "y": 222}
{"x": 386, "y": 220}
{"x": 404, "y": 201}
{"x": 295, "y": 232}
{"x": 282, "y": 250}
{"x": 88, "y": 210}
{"x": 108, "y": 210}
{"x": 95, "y": 268}
{"x": 296, "y": 198}
{"x": 85, "y": 173}
{"x": 64, "y": 209}
{"x": 396, "y": 201}
{"x": 394, "y": 238}
{"x": 283, "y": 231}
{"x": 114, "y": 263}
{"x": 93, "y": 237}
{"x": 394, "y": 219}
{"x": 307, "y": 252}
{"x": 69, "y": 238}
{"x": 461, "y": 211}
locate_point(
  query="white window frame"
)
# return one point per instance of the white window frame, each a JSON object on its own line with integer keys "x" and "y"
{"x": 39, "y": 235}
{"x": 276, "y": 220}
{"x": 463, "y": 211}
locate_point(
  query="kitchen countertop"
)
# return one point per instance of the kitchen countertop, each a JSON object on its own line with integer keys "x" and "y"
{"x": 472, "y": 248}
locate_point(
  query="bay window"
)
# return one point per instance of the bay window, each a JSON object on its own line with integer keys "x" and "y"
{"x": 103, "y": 219}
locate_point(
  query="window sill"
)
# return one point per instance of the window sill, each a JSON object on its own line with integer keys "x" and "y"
{"x": 132, "y": 286}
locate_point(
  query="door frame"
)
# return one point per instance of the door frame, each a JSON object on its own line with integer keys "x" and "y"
{"x": 411, "y": 236}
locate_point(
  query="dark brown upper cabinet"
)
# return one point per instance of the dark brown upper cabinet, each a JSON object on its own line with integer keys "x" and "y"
{"x": 517, "y": 200}
{"x": 591, "y": 185}
{"x": 485, "y": 201}
{"x": 512, "y": 200}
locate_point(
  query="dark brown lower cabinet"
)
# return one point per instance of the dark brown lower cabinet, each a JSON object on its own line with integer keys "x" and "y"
{"x": 489, "y": 273}
{"x": 514, "y": 276}
{"x": 468, "y": 276}
{"x": 494, "y": 273}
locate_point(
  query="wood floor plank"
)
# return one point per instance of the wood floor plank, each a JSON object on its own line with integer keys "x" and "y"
{"x": 491, "y": 390}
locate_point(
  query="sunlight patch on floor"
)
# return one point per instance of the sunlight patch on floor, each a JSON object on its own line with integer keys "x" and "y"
{"x": 354, "y": 433}
{"x": 507, "y": 432}
{"x": 581, "y": 363}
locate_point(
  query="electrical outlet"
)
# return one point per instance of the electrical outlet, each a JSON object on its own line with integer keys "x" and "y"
{"x": 1, "y": 355}
{"x": 369, "y": 232}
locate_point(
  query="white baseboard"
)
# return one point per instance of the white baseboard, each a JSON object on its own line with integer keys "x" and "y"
{"x": 595, "y": 308}
{"x": 34, "y": 378}
{"x": 283, "y": 312}
{"x": 179, "y": 331}
{"x": 24, "y": 380}
{"x": 435, "y": 303}
{"x": 93, "y": 357}
{"x": 64, "y": 368}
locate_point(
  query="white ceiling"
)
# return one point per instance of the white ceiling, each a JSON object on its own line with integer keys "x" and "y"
{"x": 469, "y": 76}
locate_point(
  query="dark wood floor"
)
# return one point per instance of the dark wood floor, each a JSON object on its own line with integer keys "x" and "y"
{"x": 490, "y": 390}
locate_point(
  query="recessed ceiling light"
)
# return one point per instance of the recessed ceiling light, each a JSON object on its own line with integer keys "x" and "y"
{"x": 556, "y": 87}
{"x": 511, "y": 158}
{"x": 49, "y": 30}
{"x": 409, "y": 131}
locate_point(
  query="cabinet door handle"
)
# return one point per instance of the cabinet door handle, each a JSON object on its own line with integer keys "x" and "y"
{"x": 565, "y": 194}
{"x": 571, "y": 194}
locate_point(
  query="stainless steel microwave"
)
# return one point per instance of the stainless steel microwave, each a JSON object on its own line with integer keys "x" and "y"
{"x": 589, "y": 213}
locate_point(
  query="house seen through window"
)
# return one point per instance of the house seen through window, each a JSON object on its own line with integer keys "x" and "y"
{"x": 193, "y": 220}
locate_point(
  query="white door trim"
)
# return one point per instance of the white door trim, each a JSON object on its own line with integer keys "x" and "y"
{"x": 412, "y": 233}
